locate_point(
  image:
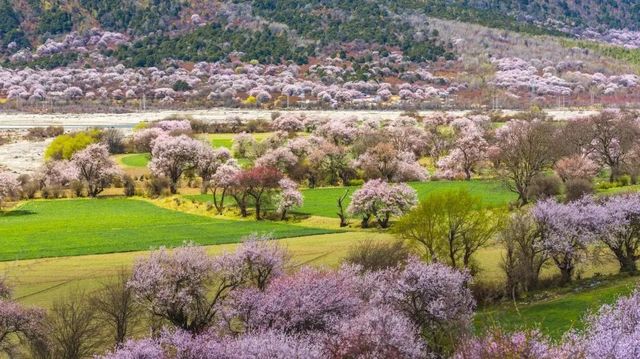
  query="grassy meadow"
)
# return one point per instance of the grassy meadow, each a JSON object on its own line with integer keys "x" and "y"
{"x": 323, "y": 201}
{"x": 41, "y": 228}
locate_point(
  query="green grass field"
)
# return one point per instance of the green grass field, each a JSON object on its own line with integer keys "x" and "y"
{"x": 135, "y": 160}
{"x": 49, "y": 228}
{"x": 556, "y": 315}
{"x": 40, "y": 281}
{"x": 323, "y": 201}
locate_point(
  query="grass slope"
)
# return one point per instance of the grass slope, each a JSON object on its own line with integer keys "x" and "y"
{"x": 41, "y": 281}
{"x": 40, "y": 229}
{"x": 556, "y": 316}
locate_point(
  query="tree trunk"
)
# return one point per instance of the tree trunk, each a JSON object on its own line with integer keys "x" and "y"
{"x": 384, "y": 222}
{"x": 173, "y": 188}
{"x": 205, "y": 187}
{"x": 565, "y": 275}
{"x": 258, "y": 216}
{"x": 627, "y": 264}
{"x": 365, "y": 221}
{"x": 467, "y": 175}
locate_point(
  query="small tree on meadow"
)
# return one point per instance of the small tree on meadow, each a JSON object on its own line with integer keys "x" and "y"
{"x": 73, "y": 329}
{"x": 95, "y": 168}
{"x": 115, "y": 307}
{"x": 223, "y": 180}
{"x": 381, "y": 200}
{"x": 8, "y": 186}
{"x": 616, "y": 223}
{"x": 522, "y": 151}
{"x": 171, "y": 156}
{"x": 290, "y": 197}
{"x": 207, "y": 163}
{"x": 608, "y": 137}
{"x": 258, "y": 183}
{"x": 450, "y": 227}
{"x": 524, "y": 255}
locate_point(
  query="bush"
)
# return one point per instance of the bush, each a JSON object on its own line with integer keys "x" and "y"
{"x": 63, "y": 147}
{"x": 181, "y": 86}
{"x": 52, "y": 192}
{"x": 129, "y": 186}
{"x": 576, "y": 189}
{"x": 29, "y": 189}
{"x": 199, "y": 126}
{"x": 77, "y": 187}
{"x": 157, "y": 186}
{"x": 114, "y": 139}
{"x": 487, "y": 292}
{"x": 544, "y": 187}
{"x": 257, "y": 125}
{"x": 624, "y": 180}
{"x": 373, "y": 255}
{"x": 36, "y": 133}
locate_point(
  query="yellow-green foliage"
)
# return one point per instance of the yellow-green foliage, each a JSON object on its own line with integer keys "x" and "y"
{"x": 141, "y": 125}
{"x": 251, "y": 100}
{"x": 631, "y": 56}
{"x": 64, "y": 146}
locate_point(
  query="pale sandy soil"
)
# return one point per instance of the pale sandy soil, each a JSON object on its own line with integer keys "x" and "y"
{"x": 128, "y": 120}
{"x": 23, "y": 156}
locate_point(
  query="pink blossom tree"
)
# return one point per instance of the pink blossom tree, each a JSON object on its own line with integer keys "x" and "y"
{"x": 435, "y": 297}
{"x": 18, "y": 324}
{"x": 288, "y": 123}
{"x": 290, "y": 197}
{"x": 171, "y": 156}
{"x": 187, "y": 287}
{"x": 616, "y": 223}
{"x": 381, "y": 200}
{"x": 576, "y": 167}
{"x": 57, "y": 173}
{"x": 469, "y": 152}
{"x": 258, "y": 184}
{"x": 612, "y": 332}
{"x": 8, "y": 186}
{"x": 95, "y": 168}
{"x": 327, "y": 297}
{"x": 385, "y": 162}
{"x": 222, "y": 180}
{"x": 523, "y": 150}
{"x": 376, "y": 332}
{"x": 207, "y": 163}
{"x": 281, "y": 158}
{"x": 611, "y": 136}
{"x": 143, "y": 139}
{"x": 565, "y": 235}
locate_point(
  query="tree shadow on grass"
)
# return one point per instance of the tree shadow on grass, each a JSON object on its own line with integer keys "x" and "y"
{"x": 16, "y": 213}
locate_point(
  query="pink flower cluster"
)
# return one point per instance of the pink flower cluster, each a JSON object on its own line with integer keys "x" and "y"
{"x": 259, "y": 311}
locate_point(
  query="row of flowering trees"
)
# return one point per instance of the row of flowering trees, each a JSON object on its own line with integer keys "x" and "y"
{"x": 247, "y": 304}
{"x": 90, "y": 168}
{"x": 567, "y": 230}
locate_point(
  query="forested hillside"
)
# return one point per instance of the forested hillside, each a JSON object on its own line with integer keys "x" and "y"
{"x": 426, "y": 53}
